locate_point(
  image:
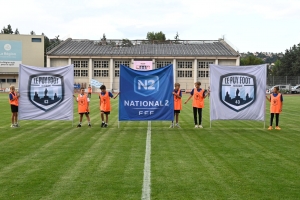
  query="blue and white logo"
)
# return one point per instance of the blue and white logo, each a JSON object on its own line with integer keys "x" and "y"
{"x": 46, "y": 91}
{"x": 146, "y": 85}
{"x": 7, "y": 47}
{"x": 237, "y": 90}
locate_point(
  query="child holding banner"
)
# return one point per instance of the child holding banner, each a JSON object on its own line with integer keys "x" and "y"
{"x": 198, "y": 102}
{"x": 276, "y": 100}
{"x": 83, "y": 107}
{"x": 177, "y": 104}
{"x": 105, "y": 107}
{"x": 14, "y": 105}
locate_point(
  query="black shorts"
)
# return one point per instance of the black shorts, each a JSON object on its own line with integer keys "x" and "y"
{"x": 86, "y": 113}
{"x": 14, "y": 108}
{"x": 176, "y": 111}
{"x": 107, "y": 113}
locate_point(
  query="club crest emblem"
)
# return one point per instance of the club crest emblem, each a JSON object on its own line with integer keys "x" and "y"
{"x": 237, "y": 91}
{"x": 46, "y": 91}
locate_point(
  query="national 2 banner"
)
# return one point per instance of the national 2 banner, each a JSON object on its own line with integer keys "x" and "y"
{"x": 237, "y": 92}
{"x": 146, "y": 95}
{"x": 46, "y": 93}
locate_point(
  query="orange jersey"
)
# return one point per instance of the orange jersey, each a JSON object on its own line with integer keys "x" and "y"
{"x": 105, "y": 102}
{"x": 89, "y": 89}
{"x": 83, "y": 104}
{"x": 177, "y": 101}
{"x": 276, "y": 104}
{"x": 198, "y": 99}
{"x": 15, "y": 100}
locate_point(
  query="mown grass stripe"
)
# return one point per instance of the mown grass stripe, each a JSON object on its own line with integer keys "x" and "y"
{"x": 26, "y": 159}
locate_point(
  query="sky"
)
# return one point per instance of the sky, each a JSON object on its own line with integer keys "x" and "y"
{"x": 254, "y": 26}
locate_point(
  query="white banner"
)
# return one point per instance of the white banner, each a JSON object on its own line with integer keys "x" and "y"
{"x": 237, "y": 92}
{"x": 96, "y": 83}
{"x": 46, "y": 93}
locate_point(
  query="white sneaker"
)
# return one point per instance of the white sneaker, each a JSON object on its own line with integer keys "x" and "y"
{"x": 177, "y": 126}
{"x": 171, "y": 126}
{"x": 196, "y": 126}
{"x": 200, "y": 126}
{"x": 12, "y": 126}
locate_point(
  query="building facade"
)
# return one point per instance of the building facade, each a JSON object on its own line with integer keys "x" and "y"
{"x": 15, "y": 50}
{"x": 101, "y": 60}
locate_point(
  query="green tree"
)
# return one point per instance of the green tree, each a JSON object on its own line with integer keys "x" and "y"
{"x": 290, "y": 62}
{"x": 126, "y": 43}
{"x": 7, "y": 30}
{"x": 17, "y": 32}
{"x": 156, "y": 36}
{"x": 274, "y": 70}
{"x": 176, "y": 37}
{"x": 251, "y": 60}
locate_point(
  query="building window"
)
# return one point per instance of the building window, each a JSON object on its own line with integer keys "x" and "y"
{"x": 84, "y": 73}
{"x": 76, "y": 63}
{"x": 11, "y": 80}
{"x": 101, "y": 64}
{"x": 80, "y": 63}
{"x": 101, "y": 73}
{"x": 180, "y": 73}
{"x": 2, "y": 80}
{"x": 188, "y": 74}
{"x": 204, "y": 64}
{"x": 207, "y": 74}
{"x": 184, "y": 64}
{"x": 160, "y": 64}
{"x": 117, "y": 73}
{"x": 36, "y": 39}
{"x": 201, "y": 73}
{"x": 77, "y": 72}
{"x": 121, "y": 62}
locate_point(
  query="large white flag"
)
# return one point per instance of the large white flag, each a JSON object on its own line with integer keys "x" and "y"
{"x": 46, "y": 93}
{"x": 237, "y": 92}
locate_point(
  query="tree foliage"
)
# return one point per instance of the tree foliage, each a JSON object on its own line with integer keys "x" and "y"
{"x": 7, "y": 30}
{"x": 251, "y": 60}
{"x": 156, "y": 36}
{"x": 17, "y": 32}
{"x": 176, "y": 36}
{"x": 289, "y": 64}
{"x": 126, "y": 43}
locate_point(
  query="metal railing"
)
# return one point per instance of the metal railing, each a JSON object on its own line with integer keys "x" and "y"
{"x": 283, "y": 80}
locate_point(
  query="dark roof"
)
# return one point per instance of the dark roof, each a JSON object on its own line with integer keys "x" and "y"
{"x": 136, "y": 48}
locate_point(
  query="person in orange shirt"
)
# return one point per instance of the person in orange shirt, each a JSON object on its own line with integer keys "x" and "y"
{"x": 14, "y": 106}
{"x": 198, "y": 102}
{"x": 105, "y": 106}
{"x": 276, "y": 101}
{"x": 90, "y": 92}
{"x": 177, "y": 104}
{"x": 83, "y": 107}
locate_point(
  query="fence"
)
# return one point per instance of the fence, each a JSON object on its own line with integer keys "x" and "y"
{"x": 283, "y": 80}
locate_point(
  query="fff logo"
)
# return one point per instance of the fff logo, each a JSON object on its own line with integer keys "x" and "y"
{"x": 146, "y": 85}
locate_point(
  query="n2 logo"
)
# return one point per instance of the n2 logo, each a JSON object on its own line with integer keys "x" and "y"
{"x": 146, "y": 85}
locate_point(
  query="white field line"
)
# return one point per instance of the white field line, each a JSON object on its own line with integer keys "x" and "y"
{"x": 146, "y": 192}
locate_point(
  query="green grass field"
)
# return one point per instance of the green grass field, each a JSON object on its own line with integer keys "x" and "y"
{"x": 231, "y": 160}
